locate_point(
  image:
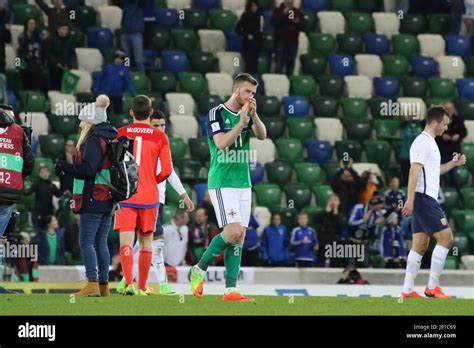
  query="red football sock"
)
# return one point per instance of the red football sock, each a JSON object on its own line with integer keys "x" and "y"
{"x": 126, "y": 258}
{"x": 144, "y": 262}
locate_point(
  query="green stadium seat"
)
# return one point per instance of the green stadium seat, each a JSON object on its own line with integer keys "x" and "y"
{"x": 189, "y": 170}
{"x": 224, "y": 20}
{"x": 86, "y": 16}
{"x": 300, "y": 128}
{"x": 359, "y": 131}
{"x": 349, "y": 43}
{"x": 313, "y": 64}
{"x": 195, "y": 19}
{"x": 268, "y": 195}
{"x": 178, "y": 149}
{"x": 359, "y": 23}
{"x": 322, "y": 43}
{"x": 378, "y": 106}
{"x": 412, "y": 23}
{"x": 298, "y": 195}
{"x": 206, "y": 102}
{"x": 77, "y": 36}
{"x": 109, "y": 55}
{"x": 34, "y": 101}
{"x": 322, "y": 193}
{"x": 13, "y": 79}
{"x": 308, "y": 173}
{"x": 64, "y": 125}
{"x": 268, "y": 106}
{"x": 451, "y": 199}
{"x": 157, "y": 101}
{"x": 464, "y": 178}
{"x": 350, "y": 148}
{"x": 461, "y": 242}
{"x": 466, "y": 109}
{"x": 163, "y": 82}
{"x": 312, "y": 213}
{"x": 275, "y": 127}
{"x": 331, "y": 85}
{"x": 263, "y": 64}
{"x": 468, "y": 196}
{"x": 127, "y": 100}
{"x": 140, "y": 81}
{"x": 451, "y": 262}
{"x": 330, "y": 169}
{"x": 304, "y": 85}
{"x": 40, "y": 162}
{"x": 28, "y": 201}
{"x": 414, "y": 87}
{"x": 192, "y": 83}
{"x": 265, "y": 4}
{"x": 310, "y": 21}
{"x": 386, "y": 129}
{"x": 173, "y": 198}
{"x": 161, "y": 39}
{"x": 464, "y": 220}
{"x": 168, "y": 213}
{"x": 23, "y": 210}
{"x": 438, "y": 23}
{"x": 199, "y": 149}
{"x": 325, "y": 106}
{"x": 279, "y": 173}
{"x": 120, "y": 120}
{"x": 442, "y": 88}
{"x": 52, "y": 145}
{"x": 406, "y": 45}
{"x": 288, "y": 217}
{"x": 342, "y": 5}
{"x": 185, "y": 40}
{"x": 268, "y": 41}
{"x": 22, "y": 12}
{"x": 354, "y": 109}
{"x": 370, "y": 5}
{"x": 434, "y": 101}
{"x": 378, "y": 151}
{"x": 202, "y": 62}
{"x": 290, "y": 150}
{"x": 397, "y": 145}
{"x": 395, "y": 65}
{"x": 468, "y": 150}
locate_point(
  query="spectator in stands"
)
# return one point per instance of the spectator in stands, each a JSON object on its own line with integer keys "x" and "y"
{"x": 58, "y": 14}
{"x": 305, "y": 242}
{"x": 44, "y": 190}
{"x": 72, "y": 238}
{"x": 207, "y": 205}
{"x": 330, "y": 223}
{"x": 394, "y": 198}
{"x": 112, "y": 81}
{"x": 51, "y": 243}
{"x": 133, "y": 26}
{"x": 346, "y": 184}
{"x": 411, "y": 129}
{"x": 30, "y": 51}
{"x": 249, "y": 28}
{"x": 370, "y": 184}
{"x": 468, "y": 17}
{"x": 288, "y": 22}
{"x": 456, "y": 9}
{"x": 5, "y": 34}
{"x": 250, "y": 250}
{"x": 200, "y": 235}
{"x": 392, "y": 243}
{"x": 275, "y": 243}
{"x": 176, "y": 239}
{"x": 149, "y": 18}
{"x": 60, "y": 54}
{"x": 66, "y": 181}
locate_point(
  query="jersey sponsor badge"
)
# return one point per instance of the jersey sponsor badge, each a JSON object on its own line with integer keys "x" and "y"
{"x": 444, "y": 222}
{"x": 215, "y": 126}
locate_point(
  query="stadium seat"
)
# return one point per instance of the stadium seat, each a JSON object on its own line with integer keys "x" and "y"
{"x": 199, "y": 149}
{"x": 64, "y": 125}
{"x": 458, "y": 45}
{"x": 120, "y": 120}
{"x": 359, "y": 86}
{"x": 331, "y": 22}
{"x": 369, "y": 65}
{"x": 15, "y": 30}
{"x": 441, "y": 88}
{"x": 378, "y": 151}
{"x": 313, "y": 64}
{"x": 206, "y": 102}
{"x": 10, "y": 56}
{"x": 465, "y": 88}
{"x": 386, "y": 23}
{"x": 163, "y": 82}
{"x": 362, "y": 167}
{"x": 298, "y": 195}
{"x": 52, "y": 145}
{"x": 414, "y": 87}
{"x": 468, "y": 197}
{"x": 169, "y": 212}
{"x": 308, "y": 173}
{"x": 195, "y": 19}
{"x": 395, "y": 65}
{"x": 234, "y": 41}
{"x": 219, "y": 84}
{"x": 413, "y": 23}
{"x": 342, "y": 5}
{"x": 331, "y": 85}
{"x": 236, "y": 6}
{"x": 39, "y": 120}
{"x": 34, "y": 101}
{"x": 58, "y": 102}
{"x": 224, "y": 20}
{"x": 329, "y": 129}
{"x": 279, "y": 172}
{"x": 463, "y": 175}
{"x": 140, "y": 81}
{"x": 189, "y": 171}
{"x": 230, "y": 63}
{"x": 268, "y": 42}
{"x": 192, "y": 83}
{"x": 369, "y": 5}
{"x": 180, "y": 103}
{"x": 325, "y": 106}
{"x": 378, "y": 44}
{"x": 206, "y": 4}
{"x": 288, "y": 216}
{"x": 451, "y": 199}
{"x": 461, "y": 243}
{"x": 464, "y": 219}
{"x": 358, "y": 130}
{"x": 424, "y": 66}
{"x": 289, "y": 149}
{"x": 310, "y": 21}
{"x": 466, "y": 109}
{"x": 303, "y": 85}
{"x": 110, "y": 17}
{"x": 185, "y": 40}
{"x": 212, "y": 41}
{"x": 257, "y": 173}
{"x": 184, "y": 126}
{"x": 300, "y": 128}
{"x": 387, "y": 86}
{"x": 202, "y": 62}
{"x": 276, "y": 85}
{"x": 359, "y": 23}
{"x": 322, "y": 193}
{"x": 275, "y": 127}
{"x": 267, "y": 24}
{"x": 89, "y": 59}
{"x": 438, "y": 23}
{"x": 431, "y": 45}
{"x": 412, "y": 107}
{"x": 200, "y": 189}
{"x": 86, "y": 16}
{"x": 161, "y": 39}
{"x": 386, "y": 129}
{"x": 319, "y": 151}
{"x": 265, "y": 150}
{"x": 322, "y": 43}
{"x": 341, "y": 64}
{"x": 349, "y": 43}
{"x": 22, "y": 12}
{"x": 378, "y": 106}
{"x": 468, "y": 150}
{"x": 173, "y": 198}
{"x": 178, "y": 149}
{"x": 354, "y": 109}
{"x": 314, "y": 5}
{"x": 451, "y": 67}
{"x": 167, "y": 18}
{"x": 470, "y": 131}
{"x": 85, "y": 82}
{"x": 178, "y": 4}
{"x": 348, "y": 149}
{"x": 41, "y": 162}
{"x": 174, "y": 61}
{"x": 95, "y": 3}
{"x": 405, "y": 45}
{"x": 268, "y": 195}
{"x": 296, "y": 106}
{"x": 268, "y": 106}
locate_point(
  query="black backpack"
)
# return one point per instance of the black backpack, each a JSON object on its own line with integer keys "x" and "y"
{"x": 123, "y": 169}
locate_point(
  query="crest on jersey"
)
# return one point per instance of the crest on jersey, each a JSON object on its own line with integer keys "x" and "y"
{"x": 444, "y": 222}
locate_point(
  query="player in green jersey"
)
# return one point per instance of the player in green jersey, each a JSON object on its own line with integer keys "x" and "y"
{"x": 228, "y": 129}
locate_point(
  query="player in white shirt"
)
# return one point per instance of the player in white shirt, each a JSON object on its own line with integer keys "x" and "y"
{"x": 428, "y": 218}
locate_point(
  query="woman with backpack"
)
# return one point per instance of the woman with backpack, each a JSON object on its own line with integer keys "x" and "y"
{"x": 92, "y": 197}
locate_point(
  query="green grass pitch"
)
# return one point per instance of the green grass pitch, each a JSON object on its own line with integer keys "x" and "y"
{"x": 61, "y": 304}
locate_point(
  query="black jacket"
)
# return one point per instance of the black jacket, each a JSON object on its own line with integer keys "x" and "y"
{"x": 348, "y": 192}
{"x": 249, "y": 27}
{"x": 447, "y": 147}
{"x": 330, "y": 226}
{"x": 57, "y": 17}
{"x": 44, "y": 191}
{"x": 61, "y": 50}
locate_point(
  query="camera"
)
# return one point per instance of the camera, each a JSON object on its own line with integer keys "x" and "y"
{"x": 12, "y": 232}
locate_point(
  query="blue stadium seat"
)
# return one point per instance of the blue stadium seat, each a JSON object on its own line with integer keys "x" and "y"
{"x": 257, "y": 172}
{"x": 296, "y": 106}
{"x": 203, "y": 125}
{"x": 260, "y": 90}
{"x": 150, "y": 60}
{"x": 377, "y": 44}
{"x": 465, "y": 88}
{"x": 424, "y": 66}
{"x": 267, "y": 16}
{"x": 341, "y": 64}
{"x": 11, "y": 99}
{"x": 314, "y": 5}
{"x": 234, "y": 41}
{"x": 319, "y": 151}
{"x": 167, "y": 18}
{"x": 200, "y": 191}
{"x": 206, "y": 4}
{"x": 100, "y": 38}
{"x": 175, "y": 61}
{"x": 458, "y": 45}
{"x": 388, "y": 87}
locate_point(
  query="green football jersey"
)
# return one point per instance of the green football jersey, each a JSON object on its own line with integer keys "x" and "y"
{"x": 229, "y": 167}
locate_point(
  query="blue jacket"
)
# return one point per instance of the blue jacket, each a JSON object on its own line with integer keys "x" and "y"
{"x": 112, "y": 81}
{"x": 304, "y": 252}
{"x": 43, "y": 247}
{"x": 149, "y": 10}
{"x": 392, "y": 238}
{"x": 132, "y": 20}
{"x": 360, "y": 231}
{"x": 275, "y": 242}
{"x": 251, "y": 236}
